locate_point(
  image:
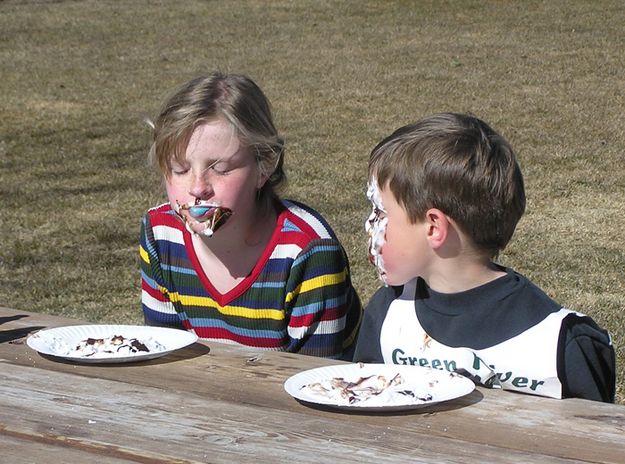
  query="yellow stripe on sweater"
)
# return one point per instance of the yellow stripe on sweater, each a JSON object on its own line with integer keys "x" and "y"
{"x": 144, "y": 255}
{"x": 317, "y": 282}
{"x": 275, "y": 314}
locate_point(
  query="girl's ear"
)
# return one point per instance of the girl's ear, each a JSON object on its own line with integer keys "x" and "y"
{"x": 260, "y": 182}
{"x": 437, "y": 227}
{"x": 263, "y": 174}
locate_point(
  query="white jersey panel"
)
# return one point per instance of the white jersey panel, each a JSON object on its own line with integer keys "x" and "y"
{"x": 526, "y": 363}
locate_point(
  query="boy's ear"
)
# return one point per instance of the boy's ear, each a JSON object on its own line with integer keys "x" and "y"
{"x": 437, "y": 227}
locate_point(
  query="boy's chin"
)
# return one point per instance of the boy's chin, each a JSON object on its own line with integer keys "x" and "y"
{"x": 393, "y": 281}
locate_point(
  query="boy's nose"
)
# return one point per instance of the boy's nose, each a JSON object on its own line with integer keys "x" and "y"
{"x": 200, "y": 187}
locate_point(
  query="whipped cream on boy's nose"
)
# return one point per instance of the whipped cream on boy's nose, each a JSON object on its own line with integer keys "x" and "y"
{"x": 202, "y": 217}
{"x": 376, "y": 228}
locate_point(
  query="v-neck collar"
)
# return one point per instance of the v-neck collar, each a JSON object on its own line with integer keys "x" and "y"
{"x": 240, "y": 288}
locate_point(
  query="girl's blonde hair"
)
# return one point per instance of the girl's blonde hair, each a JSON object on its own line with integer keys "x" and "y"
{"x": 238, "y": 100}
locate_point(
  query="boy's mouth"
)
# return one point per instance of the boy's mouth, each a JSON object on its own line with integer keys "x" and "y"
{"x": 203, "y": 218}
{"x": 376, "y": 229}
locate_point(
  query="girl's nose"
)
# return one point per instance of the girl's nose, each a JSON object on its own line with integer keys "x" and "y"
{"x": 200, "y": 187}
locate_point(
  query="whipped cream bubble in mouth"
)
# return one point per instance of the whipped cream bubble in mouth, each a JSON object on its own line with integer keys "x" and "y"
{"x": 376, "y": 228}
{"x": 202, "y": 217}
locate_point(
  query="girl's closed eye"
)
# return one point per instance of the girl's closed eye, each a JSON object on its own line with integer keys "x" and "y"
{"x": 221, "y": 168}
{"x": 179, "y": 170}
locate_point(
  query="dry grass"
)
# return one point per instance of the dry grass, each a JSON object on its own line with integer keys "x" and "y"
{"x": 78, "y": 76}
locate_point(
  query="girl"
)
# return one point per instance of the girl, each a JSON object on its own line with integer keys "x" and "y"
{"x": 226, "y": 257}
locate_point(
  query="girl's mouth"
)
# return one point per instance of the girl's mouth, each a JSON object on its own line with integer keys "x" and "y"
{"x": 202, "y": 218}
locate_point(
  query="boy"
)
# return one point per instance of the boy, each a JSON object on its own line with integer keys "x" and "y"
{"x": 447, "y": 194}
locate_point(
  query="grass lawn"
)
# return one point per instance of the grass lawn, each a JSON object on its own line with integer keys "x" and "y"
{"x": 77, "y": 79}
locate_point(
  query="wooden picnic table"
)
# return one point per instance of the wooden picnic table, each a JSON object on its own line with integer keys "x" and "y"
{"x": 217, "y": 403}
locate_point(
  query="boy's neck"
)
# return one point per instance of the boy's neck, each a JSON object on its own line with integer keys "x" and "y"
{"x": 457, "y": 275}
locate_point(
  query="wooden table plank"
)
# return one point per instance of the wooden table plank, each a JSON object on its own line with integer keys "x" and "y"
{"x": 13, "y": 451}
{"x": 163, "y": 424}
{"x": 230, "y": 401}
{"x": 520, "y": 422}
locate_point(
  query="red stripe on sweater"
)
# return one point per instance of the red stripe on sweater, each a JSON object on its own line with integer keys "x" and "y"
{"x": 329, "y": 314}
{"x": 216, "y": 333}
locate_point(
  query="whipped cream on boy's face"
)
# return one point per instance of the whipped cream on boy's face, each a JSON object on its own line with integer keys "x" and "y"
{"x": 375, "y": 225}
{"x": 202, "y": 217}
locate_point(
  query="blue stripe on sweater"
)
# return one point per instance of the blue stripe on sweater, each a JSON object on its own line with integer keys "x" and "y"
{"x": 204, "y": 322}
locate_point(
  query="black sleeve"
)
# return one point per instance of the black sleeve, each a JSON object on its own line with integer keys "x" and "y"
{"x": 586, "y": 364}
{"x": 368, "y": 344}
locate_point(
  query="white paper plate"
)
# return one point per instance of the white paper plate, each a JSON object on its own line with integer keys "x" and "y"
{"x": 51, "y": 341}
{"x": 420, "y": 387}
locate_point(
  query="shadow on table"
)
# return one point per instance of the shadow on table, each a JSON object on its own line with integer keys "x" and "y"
{"x": 472, "y": 398}
{"x": 192, "y": 351}
{"x": 16, "y": 334}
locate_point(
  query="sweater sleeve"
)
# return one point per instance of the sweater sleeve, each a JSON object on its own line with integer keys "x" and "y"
{"x": 586, "y": 365}
{"x": 158, "y": 310}
{"x": 368, "y": 347}
{"x": 322, "y": 306}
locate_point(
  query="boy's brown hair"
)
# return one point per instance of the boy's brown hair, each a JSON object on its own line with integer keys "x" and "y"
{"x": 460, "y": 165}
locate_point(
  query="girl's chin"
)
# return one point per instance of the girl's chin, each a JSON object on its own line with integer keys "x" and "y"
{"x": 200, "y": 228}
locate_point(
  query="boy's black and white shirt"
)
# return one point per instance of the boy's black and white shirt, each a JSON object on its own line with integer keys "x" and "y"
{"x": 507, "y": 333}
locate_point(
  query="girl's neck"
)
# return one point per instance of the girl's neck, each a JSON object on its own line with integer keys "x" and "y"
{"x": 230, "y": 255}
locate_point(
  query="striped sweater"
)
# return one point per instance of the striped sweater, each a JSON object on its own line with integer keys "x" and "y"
{"x": 298, "y": 297}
